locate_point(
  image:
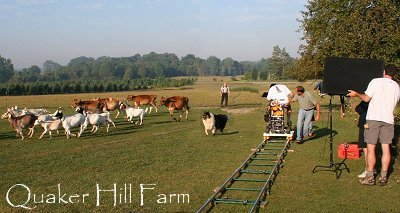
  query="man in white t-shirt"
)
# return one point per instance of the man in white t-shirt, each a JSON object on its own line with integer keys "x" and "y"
{"x": 382, "y": 95}
{"x": 279, "y": 93}
{"x": 224, "y": 94}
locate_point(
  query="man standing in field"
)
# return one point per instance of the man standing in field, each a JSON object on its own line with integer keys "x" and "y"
{"x": 382, "y": 95}
{"x": 307, "y": 104}
{"x": 224, "y": 94}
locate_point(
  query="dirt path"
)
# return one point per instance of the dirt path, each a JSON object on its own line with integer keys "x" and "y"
{"x": 238, "y": 110}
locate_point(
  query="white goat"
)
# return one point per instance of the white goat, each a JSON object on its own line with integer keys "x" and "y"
{"x": 73, "y": 121}
{"x": 134, "y": 112}
{"x": 50, "y": 122}
{"x": 48, "y": 126}
{"x": 35, "y": 111}
{"x": 96, "y": 119}
{"x": 16, "y": 111}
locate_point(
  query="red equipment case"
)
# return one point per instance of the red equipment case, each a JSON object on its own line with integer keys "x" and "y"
{"x": 349, "y": 151}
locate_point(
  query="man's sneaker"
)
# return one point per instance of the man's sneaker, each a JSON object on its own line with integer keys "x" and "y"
{"x": 362, "y": 175}
{"x": 382, "y": 181}
{"x": 368, "y": 180}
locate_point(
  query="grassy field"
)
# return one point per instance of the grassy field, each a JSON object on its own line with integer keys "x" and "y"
{"x": 180, "y": 159}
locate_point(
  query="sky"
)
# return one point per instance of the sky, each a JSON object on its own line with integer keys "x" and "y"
{"x": 33, "y": 31}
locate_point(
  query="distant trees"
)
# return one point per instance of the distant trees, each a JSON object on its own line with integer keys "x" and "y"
{"x": 87, "y": 74}
{"x": 6, "y": 69}
{"x": 50, "y": 65}
{"x": 273, "y": 68}
{"x": 348, "y": 28}
{"x": 31, "y": 74}
{"x": 230, "y": 67}
{"x": 189, "y": 65}
{"x": 213, "y": 66}
{"x": 150, "y": 65}
{"x": 279, "y": 62}
{"x": 155, "y": 65}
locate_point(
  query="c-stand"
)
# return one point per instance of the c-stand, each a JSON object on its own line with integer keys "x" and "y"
{"x": 334, "y": 167}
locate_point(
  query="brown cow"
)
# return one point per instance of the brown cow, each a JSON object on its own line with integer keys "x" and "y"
{"x": 143, "y": 100}
{"x": 176, "y": 103}
{"x": 93, "y": 106}
{"x": 22, "y": 122}
{"x": 109, "y": 104}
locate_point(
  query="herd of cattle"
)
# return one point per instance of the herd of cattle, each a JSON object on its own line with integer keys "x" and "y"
{"x": 94, "y": 112}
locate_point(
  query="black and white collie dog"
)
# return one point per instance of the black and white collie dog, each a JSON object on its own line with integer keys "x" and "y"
{"x": 214, "y": 122}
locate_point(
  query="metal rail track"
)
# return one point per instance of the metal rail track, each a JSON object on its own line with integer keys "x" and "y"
{"x": 256, "y": 174}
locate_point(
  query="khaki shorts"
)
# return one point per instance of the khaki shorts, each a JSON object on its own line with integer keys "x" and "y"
{"x": 378, "y": 130}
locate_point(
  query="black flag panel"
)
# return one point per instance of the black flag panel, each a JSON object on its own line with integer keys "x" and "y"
{"x": 342, "y": 74}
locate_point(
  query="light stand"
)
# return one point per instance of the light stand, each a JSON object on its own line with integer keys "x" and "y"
{"x": 333, "y": 167}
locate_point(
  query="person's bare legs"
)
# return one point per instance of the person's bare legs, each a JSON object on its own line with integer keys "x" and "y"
{"x": 385, "y": 157}
{"x": 364, "y": 173}
{"x": 365, "y": 150}
{"x": 369, "y": 178}
{"x": 342, "y": 107}
{"x": 371, "y": 160}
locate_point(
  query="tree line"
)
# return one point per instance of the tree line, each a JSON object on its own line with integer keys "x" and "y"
{"x": 150, "y": 65}
{"x": 90, "y": 86}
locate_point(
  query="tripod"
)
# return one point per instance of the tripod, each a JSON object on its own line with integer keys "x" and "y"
{"x": 334, "y": 167}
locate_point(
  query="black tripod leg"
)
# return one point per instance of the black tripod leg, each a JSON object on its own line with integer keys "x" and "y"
{"x": 334, "y": 167}
{"x": 343, "y": 163}
{"x": 328, "y": 168}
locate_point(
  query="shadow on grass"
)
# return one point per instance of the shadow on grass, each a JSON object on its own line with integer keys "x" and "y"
{"x": 396, "y": 142}
{"x": 163, "y": 122}
{"x": 395, "y": 148}
{"x": 13, "y": 135}
{"x": 8, "y": 135}
{"x": 101, "y": 134}
{"x": 320, "y": 133}
{"x": 112, "y": 131}
{"x": 229, "y": 133}
{"x": 153, "y": 114}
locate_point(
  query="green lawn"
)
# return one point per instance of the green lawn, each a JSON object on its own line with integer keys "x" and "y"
{"x": 180, "y": 159}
